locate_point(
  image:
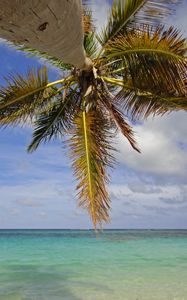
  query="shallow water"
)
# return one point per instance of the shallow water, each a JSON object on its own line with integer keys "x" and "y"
{"x": 80, "y": 265}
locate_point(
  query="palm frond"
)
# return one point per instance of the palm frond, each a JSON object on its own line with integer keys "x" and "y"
{"x": 145, "y": 40}
{"x": 119, "y": 119}
{"x": 140, "y": 104}
{"x": 90, "y": 147}
{"x": 152, "y": 58}
{"x": 125, "y": 15}
{"x": 90, "y": 45}
{"x": 55, "y": 121}
{"x": 22, "y": 96}
{"x": 90, "y": 41}
{"x": 88, "y": 22}
{"x": 140, "y": 101}
{"x": 31, "y": 52}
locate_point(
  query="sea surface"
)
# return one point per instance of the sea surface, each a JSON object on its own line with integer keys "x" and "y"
{"x": 83, "y": 265}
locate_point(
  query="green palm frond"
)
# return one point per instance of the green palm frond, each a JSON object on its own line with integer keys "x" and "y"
{"x": 23, "y": 97}
{"x": 31, "y": 52}
{"x": 54, "y": 122}
{"x": 19, "y": 87}
{"x": 90, "y": 146}
{"x": 125, "y": 15}
{"x": 119, "y": 68}
{"x": 90, "y": 41}
{"x": 90, "y": 45}
{"x": 152, "y": 58}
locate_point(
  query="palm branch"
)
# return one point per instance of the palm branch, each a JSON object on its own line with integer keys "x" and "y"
{"x": 126, "y": 15}
{"x": 55, "y": 122}
{"x": 139, "y": 69}
{"x": 23, "y": 97}
{"x": 90, "y": 152}
{"x": 32, "y": 52}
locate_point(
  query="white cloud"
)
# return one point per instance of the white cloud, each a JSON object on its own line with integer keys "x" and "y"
{"x": 39, "y": 190}
{"x": 165, "y": 208}
{"x": 163, "y": 143}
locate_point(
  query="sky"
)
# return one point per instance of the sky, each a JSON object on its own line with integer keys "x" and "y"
{"x": 148, "y": 190}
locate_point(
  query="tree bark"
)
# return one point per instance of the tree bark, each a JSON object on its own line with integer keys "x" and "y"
{"x": 52, "y": 26}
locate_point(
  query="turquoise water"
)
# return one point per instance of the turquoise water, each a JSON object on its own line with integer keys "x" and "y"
{"x": 80, "y": 265}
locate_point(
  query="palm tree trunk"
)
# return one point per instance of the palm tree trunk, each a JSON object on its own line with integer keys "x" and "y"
{"x": 52, "y": 26}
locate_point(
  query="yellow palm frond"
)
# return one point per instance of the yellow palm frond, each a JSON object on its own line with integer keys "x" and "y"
{"x": 167, "y": 42}
{"x": 24, "y": 96}
{"x": 90, "y": 146}
{"x": 154, "y": 59}
{"x": 88, "y": 22}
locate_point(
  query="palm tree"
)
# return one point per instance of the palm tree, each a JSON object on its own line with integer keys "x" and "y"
{"x": 137, "y": 69}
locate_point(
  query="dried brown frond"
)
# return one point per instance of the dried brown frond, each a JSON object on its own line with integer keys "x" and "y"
{"x": 88, "y": 22}
{"x": 119, "y": 119}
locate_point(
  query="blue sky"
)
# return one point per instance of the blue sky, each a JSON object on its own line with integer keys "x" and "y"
{"x": 147, "y": 191}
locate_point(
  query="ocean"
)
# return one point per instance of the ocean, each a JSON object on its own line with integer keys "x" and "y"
{"x": 84, "y": 265}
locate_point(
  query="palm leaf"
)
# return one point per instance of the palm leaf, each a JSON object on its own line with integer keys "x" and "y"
{"x": 22, "y": 95}
{"x": 88, "y": 22}
{"x": 119, "y": 119}
{"x": 31, "y": 52}
{"x": 54, "y": 122}
{"x": 144, "y": 39}
{"x": 152, "y": 58}
{"x": 90, "y": 41}
{"x": 90, "y": 146}
{"x": 126, "y": 15}
{"x": 90, "y": 44}
{"x": 139, "y": 103}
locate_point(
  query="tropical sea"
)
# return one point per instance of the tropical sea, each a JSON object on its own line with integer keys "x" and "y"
{"x": 84, "y": 265}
